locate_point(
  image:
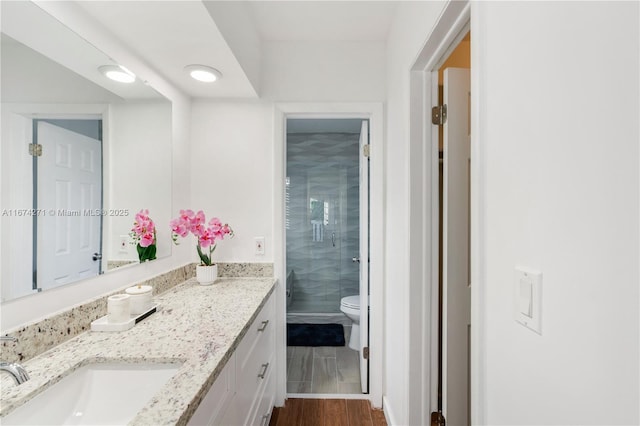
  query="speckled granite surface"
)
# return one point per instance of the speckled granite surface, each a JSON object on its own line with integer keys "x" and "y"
{"x": 245, "y": 269}
{"x": 198, "y": 326}
{"x": 40, "y": 336}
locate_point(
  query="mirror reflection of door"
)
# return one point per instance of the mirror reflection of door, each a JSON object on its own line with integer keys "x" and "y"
{"x": 68, "y": 198}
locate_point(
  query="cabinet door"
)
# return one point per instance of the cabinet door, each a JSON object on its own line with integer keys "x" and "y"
{"x": 219, "y": 399}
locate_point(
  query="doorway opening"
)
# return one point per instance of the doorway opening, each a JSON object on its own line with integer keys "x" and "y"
{"x": 326, "y": 242}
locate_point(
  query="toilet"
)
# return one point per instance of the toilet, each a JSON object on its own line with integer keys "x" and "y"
{"x": 350, "y": 306}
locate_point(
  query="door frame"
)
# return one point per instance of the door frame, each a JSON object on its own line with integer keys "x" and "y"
{"x": 374, "y": 113}
{"x": 455, "y": 19}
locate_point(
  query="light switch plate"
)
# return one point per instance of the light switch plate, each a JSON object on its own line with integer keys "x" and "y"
{"x": 123, "y": 244}
{"x": 527, "y": 300}
{"x": 259, "y": 246}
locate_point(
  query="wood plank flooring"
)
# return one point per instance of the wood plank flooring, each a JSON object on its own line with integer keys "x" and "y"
{"x": 327, "y": 412}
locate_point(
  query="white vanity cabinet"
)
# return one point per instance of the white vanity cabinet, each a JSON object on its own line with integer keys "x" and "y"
{"x": 244, "y": 392}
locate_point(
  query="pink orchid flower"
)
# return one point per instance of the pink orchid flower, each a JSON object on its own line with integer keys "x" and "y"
{"x": 143, "y": 226}
{"x": 207, "y": 239}
{"x": 196, "y": 224}
{"x": 179, "y": 227}
{"x": 147, "y": 239}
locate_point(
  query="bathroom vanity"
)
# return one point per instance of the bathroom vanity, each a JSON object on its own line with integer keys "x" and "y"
{"x": 221, "y": 337}
{"x": 244, "y": 392}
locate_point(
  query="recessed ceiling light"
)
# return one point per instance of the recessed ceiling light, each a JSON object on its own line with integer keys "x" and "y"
{"x": 118, "y": 73}
{"x": 203, "y": 73}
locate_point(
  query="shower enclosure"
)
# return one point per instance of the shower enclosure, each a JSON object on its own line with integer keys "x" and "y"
{"x": 322, "y": 217}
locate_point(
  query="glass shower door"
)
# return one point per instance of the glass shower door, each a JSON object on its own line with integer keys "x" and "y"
{"x": 322, "y": 220}
{"x": 324, "y": 194}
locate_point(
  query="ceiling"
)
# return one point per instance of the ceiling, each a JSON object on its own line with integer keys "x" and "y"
{"x": 323, "y": 20}
{"x": 227, "y": 35}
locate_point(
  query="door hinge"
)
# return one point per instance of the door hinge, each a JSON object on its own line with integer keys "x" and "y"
{"x": 35, "y": 149}
{"x": 366, "y": 150}
{"x": 437, "y": 419}
{"x": 365, "y": 352}
{"x": 439, "y": 115}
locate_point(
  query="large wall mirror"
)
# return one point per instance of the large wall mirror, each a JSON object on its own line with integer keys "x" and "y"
{"x": 80, "y": 155}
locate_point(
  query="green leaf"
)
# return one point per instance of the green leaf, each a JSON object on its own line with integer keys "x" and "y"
{"x": 151, "y": 252}
{"x": 206, "y": 260}
{"x": 146, "y": 253}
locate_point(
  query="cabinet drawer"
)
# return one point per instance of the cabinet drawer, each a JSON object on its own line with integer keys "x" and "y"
{"x": 252, "y": 381}
{"x": 255, "y": 362}
{"x": 262, "y": 328}
{"x": 264, "y": 404}
{"x": 213, "y": 405}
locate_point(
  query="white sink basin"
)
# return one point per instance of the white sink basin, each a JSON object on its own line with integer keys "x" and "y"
{"x": 96, "y": 394}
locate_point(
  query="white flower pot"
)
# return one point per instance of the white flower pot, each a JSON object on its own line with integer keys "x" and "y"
{"x": 206, "y": 275}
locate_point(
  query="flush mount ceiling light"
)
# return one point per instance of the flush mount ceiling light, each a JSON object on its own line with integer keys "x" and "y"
{"x": 203, "y": 73}
{"x": 118, "y": 73}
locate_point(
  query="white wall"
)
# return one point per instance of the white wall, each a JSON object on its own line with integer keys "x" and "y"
{"x": 410, "y": 29}
{"x": 559, "y": 138}
{"x": 232, "y": 174}
{"x": 17, "y": 236}
{"x": 232, "y": 158}
{"x": 138, "y": 158}
{"x": 323, "y": 71}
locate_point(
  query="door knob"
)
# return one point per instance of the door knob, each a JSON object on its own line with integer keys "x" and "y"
{"x": 355, "y": 259}
{"x": 97, "y": 256}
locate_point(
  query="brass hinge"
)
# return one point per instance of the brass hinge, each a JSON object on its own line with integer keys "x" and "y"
{"x": 366, "y": 150}
{"x": 439, "y": 115}
{"x": 437, "y": 419}
{"x": 35, "y": 149}
{"x": 365, "y": 352}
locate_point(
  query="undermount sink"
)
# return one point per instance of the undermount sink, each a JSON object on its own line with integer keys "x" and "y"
{"x": 111, "y": 393}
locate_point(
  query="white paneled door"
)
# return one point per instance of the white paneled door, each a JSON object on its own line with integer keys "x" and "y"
{"x": 70, "y": 199}
{"x": 456, "y": 279}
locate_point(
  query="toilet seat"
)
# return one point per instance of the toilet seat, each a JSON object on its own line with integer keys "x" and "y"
{"x": 352, "y": 302}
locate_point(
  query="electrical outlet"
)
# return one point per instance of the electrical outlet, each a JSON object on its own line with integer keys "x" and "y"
{"x": 259, "y": 246}
{"x": 123, "y": 246}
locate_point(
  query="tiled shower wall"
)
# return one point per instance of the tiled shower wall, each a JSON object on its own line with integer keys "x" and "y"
{"x": 322, "y": 219}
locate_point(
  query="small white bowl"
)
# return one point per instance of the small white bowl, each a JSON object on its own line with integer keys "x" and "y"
{"x": 140, "y": 298}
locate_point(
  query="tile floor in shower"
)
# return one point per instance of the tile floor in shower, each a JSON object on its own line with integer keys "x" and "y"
{"x": 323, "y": 369}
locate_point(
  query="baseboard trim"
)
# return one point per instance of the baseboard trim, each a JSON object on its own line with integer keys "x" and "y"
{"x": 388, "y": 412}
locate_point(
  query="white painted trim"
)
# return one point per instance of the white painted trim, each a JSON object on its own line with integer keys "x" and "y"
{"x": 421, "y": 245}
{"x": 449, "y": 29}
{"x": 328, "y": 396}
{"x": 279, "y": 253}
{"x": 388, "y": 412}
{"x": 374, "y": 112}
{"x": 478, "y": 275}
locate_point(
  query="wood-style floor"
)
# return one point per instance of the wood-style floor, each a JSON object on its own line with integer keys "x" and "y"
{"x": 327, "y": 412}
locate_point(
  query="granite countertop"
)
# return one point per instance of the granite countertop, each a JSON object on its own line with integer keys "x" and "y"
{"x": 198, "y": 326}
